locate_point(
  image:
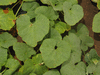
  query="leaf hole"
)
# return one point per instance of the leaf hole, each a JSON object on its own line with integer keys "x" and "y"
{"x": 55, "y": 47}
{"x": 76, "y": 63}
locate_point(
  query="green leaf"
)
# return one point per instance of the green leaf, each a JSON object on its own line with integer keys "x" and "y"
{"x": 96, "y": 23}
{"x": 13, "y": 65}
{"x": 55, "y": 53}
{"x": 98, "y": 4}
{"x": 94, "y": 69}
{"x": 71, "y": 16}
{"x": 3, "y": 56}
{"x": 91, "y": 68}
{"x": 73, "y": 40}
{"x": 61, "y": 27}
{"x": 7, "y": 2}
{"x": 82, "y": 30}
{"x": 32, "y": 74}
{"x": 32, "y": 33}
{"x": 35, "y": 65}
{"x": 7, "y": 18}
{"x": 27, "y": 68}
{"x": 23, "y": 51}
{"x": 69, "y": 69}
{"x": 7, "y": 40}
{"x": 53, "y": 34}
{"x": 30, "y": 8}
{"x": 97, "y": 70}
{"x": 47, "y": 11}
{"x": 52, "y": 72}
{"x": 83, "y": 34}
{"x": 28, "y": 0}
{"x": 40, "y": 67}
{"x": 89, "y": 57}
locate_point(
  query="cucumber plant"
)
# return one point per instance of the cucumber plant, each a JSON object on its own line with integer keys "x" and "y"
{"x": 41, "y": 26}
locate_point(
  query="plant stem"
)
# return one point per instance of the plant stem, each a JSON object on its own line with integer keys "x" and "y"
{"x": 19, "y": 8}
{"x": 15, "y": 4}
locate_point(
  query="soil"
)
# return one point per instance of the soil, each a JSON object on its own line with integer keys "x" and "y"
{"x": 90, "y": 10}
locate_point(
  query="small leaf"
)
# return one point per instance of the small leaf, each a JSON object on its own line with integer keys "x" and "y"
{"x": 7, "y": 19}
{"x": 3, "y": 57}
{"x": 89, "y": 57}
{"x": 32, "y": 33}
{"x": 23, "y": 51}
{"x": 98, "y": 4}
{"x": 13, "y": 65}
{"x": 47, "y": 11}
{"x": 28, "y": 0}
{"x": 7, "y": 40}
{"x": 61, "y": 27}
{"x": 55, "y": 53}
{"x": 71, "y": 16}
{"x": 53, "y": 34}
{"x": 52, "y": 72}
{"x": 96, "y": 23}
{"x": 30, "y": 8}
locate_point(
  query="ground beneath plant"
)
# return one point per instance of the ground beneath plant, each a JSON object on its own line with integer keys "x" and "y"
{"x": 90, "y": 10}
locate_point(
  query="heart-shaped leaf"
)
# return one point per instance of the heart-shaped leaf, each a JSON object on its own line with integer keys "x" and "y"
{"x": 96, "y": 23}
{"x": 23, "y": 51}
{"x": 55, "y": 53}
{"x": 71, "y": 16}
{"x": 47, "y": 11}
{"x": 32, "y": 33}
{"x": 7, "y": 40}
{"x": 7, "y": 18}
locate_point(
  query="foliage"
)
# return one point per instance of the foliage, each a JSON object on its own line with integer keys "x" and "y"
{"x": 44, "y": 50}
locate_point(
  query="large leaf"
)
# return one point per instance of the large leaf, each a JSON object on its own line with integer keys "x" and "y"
{"x": 7, "y": 2}
{"x": 55, "y": 53}
{"x": 71, "y": 16}
{"x": 23, "y": 51}
{"x": 7, "y": 18}
{"x": 32, "y": 33}
{"x": 69, "y": 69}
{"x": 3, "y": 56}
{"x": 96, "y": 23}
{"x": 52, "y": 72}
{"x": 7, "y": 40}
{"x": 13, "y": 65}
{"x": 30, "y": 8}
{"x": 47, "y": 11}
